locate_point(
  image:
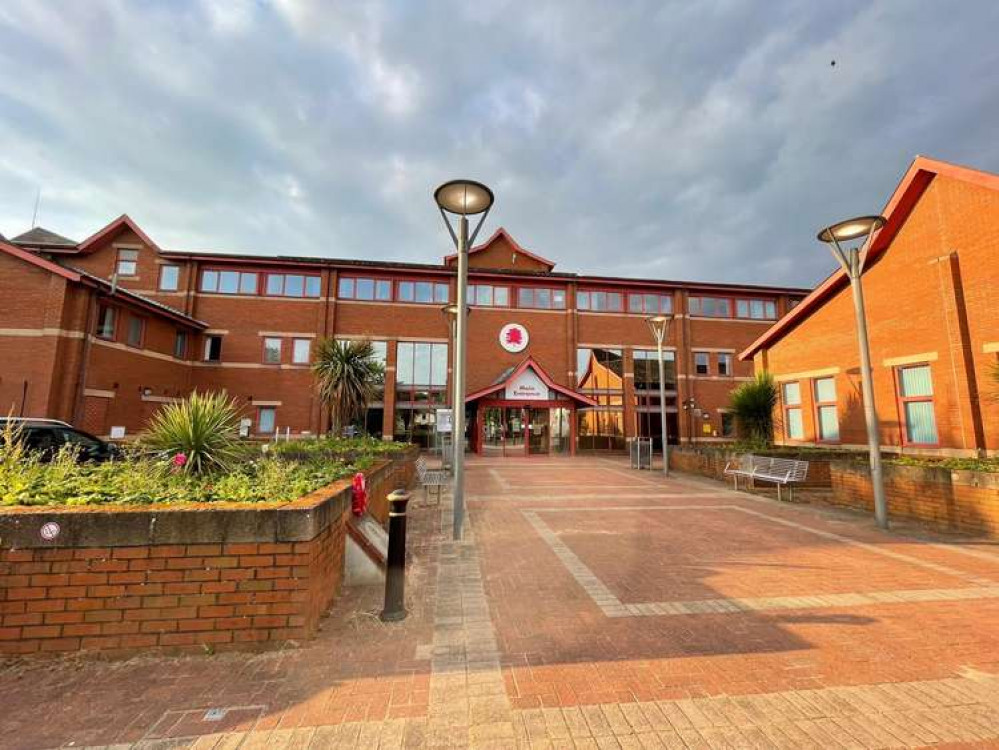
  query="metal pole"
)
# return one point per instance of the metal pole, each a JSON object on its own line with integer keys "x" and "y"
{"x": 461, "y": 331}
{"x": 867, "y": 383}
{"x": 662, "y": 403}
{"x": 395, "y": 567}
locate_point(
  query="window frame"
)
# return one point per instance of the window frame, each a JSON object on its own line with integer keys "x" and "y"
{"x": 132, "y": 317}
{"x": 264, "y": 349}
{"x": 260, "y": 411}
{"x": 294, "y": 351}
{"x": 552, "y": 291}
{"x": 181, "y": 343}
{"x": 100, "y": 319}
{"x": 352, "y": 279}
{"x": 435, "y": 287}
{"x": 118, "y": 260}
{"x": 589, "y": 293}
{"x": 786, "y": 408}
{"x": 239, "y": 282}
{"x": 644, "y": 308}
{"x": 171, "y": 267}
{"x": 707, "y": 366}
{"x": 266, "y": 276}
{"x": 701, "y": 314}
{"x": 473, "y": 295}
{"x": 748, "y": 301}
{"x": 729, "y": 359}
{"x": 206, "y": 348}
{"x": 818, "y": 405}
{"x": 901, "y": 401}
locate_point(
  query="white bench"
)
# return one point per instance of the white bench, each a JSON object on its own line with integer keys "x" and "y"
{"x": 429, "y": 478}
{"x": 781, "y": 471}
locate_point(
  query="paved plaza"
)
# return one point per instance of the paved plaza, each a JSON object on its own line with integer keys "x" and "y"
{"x": 589, "y": 606}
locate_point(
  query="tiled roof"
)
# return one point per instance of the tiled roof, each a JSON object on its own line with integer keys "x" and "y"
{"x": 40, "y": 236}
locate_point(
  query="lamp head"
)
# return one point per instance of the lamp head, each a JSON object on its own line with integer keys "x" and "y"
{"x": 464, "y": 197}
{"x": 852, "y": 229}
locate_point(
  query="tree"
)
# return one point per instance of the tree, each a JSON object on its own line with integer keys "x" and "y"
{"x": 349, "y": 377}
{"x": 753, "y": 405}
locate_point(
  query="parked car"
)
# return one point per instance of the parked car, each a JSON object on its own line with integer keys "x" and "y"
{"x": 48, "y": 436}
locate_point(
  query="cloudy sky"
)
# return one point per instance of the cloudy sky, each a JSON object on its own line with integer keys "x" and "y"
{"x": 687, "y": 140}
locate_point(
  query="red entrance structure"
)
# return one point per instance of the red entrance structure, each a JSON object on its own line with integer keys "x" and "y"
{"x": 525, "y": 413}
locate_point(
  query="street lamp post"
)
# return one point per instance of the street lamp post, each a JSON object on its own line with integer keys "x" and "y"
{"x": 450, "y": 313}
{"x": 461, "y": 198}
{"x": 659, "y": 325}
{"x": 850, "y": 259}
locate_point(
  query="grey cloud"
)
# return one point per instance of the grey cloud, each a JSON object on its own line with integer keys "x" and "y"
{"x": 675, "y": 140}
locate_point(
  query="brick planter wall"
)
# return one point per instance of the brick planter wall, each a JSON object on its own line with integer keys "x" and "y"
{"x": 402, "y": 474}
{"x": 182, "y": 577}
{"x": 710, "y": 462}
{"x": 965, "y": 501}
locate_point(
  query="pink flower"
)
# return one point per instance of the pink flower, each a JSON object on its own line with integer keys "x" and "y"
{"x": 179, "y": 460}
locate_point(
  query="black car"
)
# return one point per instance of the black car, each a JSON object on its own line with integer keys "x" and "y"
{"x": 48, "y": 435}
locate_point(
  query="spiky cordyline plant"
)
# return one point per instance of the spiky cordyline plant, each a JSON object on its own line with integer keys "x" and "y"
{"x": 753, "y": 405}
{"x": 203, "y": 428}
{"x": 348, "y": 377}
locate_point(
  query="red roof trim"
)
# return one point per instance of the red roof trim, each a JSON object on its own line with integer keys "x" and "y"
{"x": 917, "y": 178}
{"x": 540, "y": 372}
{"x": 501, "y": 232}
{"x": 90, "y": 244}
{"x": 40, "y": 262}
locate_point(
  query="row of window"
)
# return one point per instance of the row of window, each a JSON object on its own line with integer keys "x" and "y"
{"x": 723, "y": 307}
{"x": 914, "y": 401}
{"x": 109, "y": 322}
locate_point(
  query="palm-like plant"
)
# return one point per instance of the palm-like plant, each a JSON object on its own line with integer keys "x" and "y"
{"x": 753, "y": 404}
{"x": 200, "y": 434}
{"x": 349, "y": 377}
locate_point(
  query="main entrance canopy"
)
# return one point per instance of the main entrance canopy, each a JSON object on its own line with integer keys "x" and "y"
{"x": 525, "y": 413}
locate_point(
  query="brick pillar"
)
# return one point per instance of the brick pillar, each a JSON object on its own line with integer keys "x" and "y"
{"x": 630, "y": 421}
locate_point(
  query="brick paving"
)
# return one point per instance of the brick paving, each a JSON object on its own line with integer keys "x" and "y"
{"x": 588, "y": 606}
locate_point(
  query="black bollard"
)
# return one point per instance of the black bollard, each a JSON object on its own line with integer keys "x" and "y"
{"x": 395, "y": 568}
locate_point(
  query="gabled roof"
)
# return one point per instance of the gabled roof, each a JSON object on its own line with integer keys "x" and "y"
{"x": 511, "y": 373}
{"x": 42, "y": 237}
{"x": 82, "y": 277}
{"x": 122, "y": 222}
{"x": 914, "y": 183}
{"x": 498, "y": 234}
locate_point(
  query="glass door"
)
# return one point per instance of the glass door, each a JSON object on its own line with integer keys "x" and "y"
{"x": 538, "y": 431}
{"x": 492, "y": 432}
{"x": 561, "y": 435}
{"x": 514, "y": 432}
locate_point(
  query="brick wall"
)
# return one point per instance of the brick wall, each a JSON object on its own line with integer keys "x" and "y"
{"x": 949, "y": 500}
{"x": 710, "y": 462}
{"x": 176, "y": 578}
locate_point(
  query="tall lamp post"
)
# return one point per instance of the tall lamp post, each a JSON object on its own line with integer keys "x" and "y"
{"x": 659, "y": 325}
{"x": 850, "y": 259}
{"x": 461, "y": 198}
{"x": 450, "y": 313}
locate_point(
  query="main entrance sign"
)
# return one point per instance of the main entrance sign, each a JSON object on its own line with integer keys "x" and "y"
{"x": 527, "y": 387}
{"x": 513, "y": 337}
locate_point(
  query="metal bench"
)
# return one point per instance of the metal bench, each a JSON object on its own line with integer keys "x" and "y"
{"x": 781, "y": 471}
{"x": 429, "y": 478}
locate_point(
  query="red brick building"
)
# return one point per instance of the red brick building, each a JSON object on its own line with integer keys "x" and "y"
{"x": 931, "y": 284}
{"x": 557, "y": 361}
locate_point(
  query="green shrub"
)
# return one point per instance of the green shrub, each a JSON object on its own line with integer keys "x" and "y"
{"x": 348, "y": 376}
{"x": 199, "y": 434}
{"x": 753, "y": 405}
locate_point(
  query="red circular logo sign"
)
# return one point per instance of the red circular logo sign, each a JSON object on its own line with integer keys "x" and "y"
{"x": 513, "y": 337}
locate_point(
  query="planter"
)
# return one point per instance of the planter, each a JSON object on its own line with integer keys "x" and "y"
{"x": 183, "y": 577}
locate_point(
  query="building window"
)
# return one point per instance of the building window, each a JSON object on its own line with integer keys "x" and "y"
{"x": 650, "y": 304}
{"x": 647, "y": 370}
{"x": 266, "y": 419}
{"x": 915, "y": 396}
{"x": 727, "y": 424}
{"x": 180, "y": 345}
{"x": 292, "y": 285}
{"x": 365, "y": 289}
{"x": 794, "y": 427}
{"x": 105, "y": 322}
{"x": 702, "y": 363}
{"x": 826, "y": 413}
{"x": 541, "y": 299}
{"x": 229, "y": 282}
{"x": 710, "y": 307}
{"x": 213, "y": 348}
{"x": 756, "y": 309}
{"x": 128, "y": 262}
{"x": 169, "y": 278}
{"x": 487, "y": 295}
{"x": 301, "y": 350}
{"x": 272, "y": 351}
{"x": 133, "y": 336}
{"x": 600, "y": 374}
{"x": 424, "y": 292}
{"x": 600, "y": 301}
{"x": 421, "y": 378}
{"x": 725, "y": 365}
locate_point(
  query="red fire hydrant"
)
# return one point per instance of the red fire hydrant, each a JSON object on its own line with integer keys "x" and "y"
{"x": 359, "y": 501}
